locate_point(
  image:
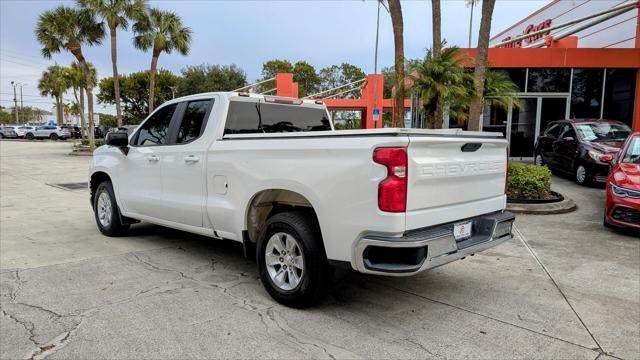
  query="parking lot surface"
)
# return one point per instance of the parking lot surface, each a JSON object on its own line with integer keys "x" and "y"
{"x": 565, "y": 287}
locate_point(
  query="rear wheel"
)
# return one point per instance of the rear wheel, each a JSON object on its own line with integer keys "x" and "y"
{"x": 29, "y": 136}
{"x": 105, "y": 209}
{"x": 53, "y": 136}
{"x": 539, "y": 160}
{"x": 1, "y": 136}
{"x": 291, "y": 259}
{"x": 582, "y": 176}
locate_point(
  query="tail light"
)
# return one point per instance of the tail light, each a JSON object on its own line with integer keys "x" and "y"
{"x": 392, "y": 191}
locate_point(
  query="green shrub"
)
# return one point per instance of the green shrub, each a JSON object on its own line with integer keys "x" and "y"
{"x": 99, "y": 142}
{"x": 528, "y": 181}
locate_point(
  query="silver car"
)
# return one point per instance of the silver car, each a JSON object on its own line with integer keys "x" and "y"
{"x": 48, "y": 132}
{"x": 8, "y": 132}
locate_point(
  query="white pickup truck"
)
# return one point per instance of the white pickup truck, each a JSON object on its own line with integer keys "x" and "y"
{"x": 303, "y": 198}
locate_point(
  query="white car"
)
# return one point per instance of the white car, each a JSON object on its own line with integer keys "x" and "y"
{"x": 23, "y": 129}
{"x": 48, "y": 132}
{"x": 8, "y": 132}
{"x": 272, "y": 173}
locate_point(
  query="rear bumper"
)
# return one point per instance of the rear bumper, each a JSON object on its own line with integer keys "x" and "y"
{"x": 426, "y": 248}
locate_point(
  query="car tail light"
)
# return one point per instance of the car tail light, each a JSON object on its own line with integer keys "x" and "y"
{"x": 392, "y": 191}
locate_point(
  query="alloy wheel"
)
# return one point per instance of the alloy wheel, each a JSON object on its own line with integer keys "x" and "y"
{"x": 285, "y": 261}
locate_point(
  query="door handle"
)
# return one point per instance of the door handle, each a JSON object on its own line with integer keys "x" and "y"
{"x": 153, "y": 158}
{"x": 191, "y": 159}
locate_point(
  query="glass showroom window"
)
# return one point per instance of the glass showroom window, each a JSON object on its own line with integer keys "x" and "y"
{"x": 619, "y": 93}
{"x": 518, "y": 76}
{"x": 586, "y": 93}
{"x": 549, "y": 80}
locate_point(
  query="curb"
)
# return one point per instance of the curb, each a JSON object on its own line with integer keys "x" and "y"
{"x": 565, "y": 206}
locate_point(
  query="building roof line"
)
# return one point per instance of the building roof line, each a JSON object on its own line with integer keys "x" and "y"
{"x": 525, "y": 19}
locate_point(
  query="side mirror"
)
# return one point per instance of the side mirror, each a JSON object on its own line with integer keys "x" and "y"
{"x": 118, "y": 139}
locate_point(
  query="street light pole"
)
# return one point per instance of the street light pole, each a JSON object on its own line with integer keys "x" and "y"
{"x": 15, "y": 100}
{"x": 21, "y": 107}
{"x": 375, "y": 69}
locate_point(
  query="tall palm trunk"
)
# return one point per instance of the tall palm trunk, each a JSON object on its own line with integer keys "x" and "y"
{"x": 59, "y": 110}
{"x": 438, "y": 116}
{"x": 76, "y": 50}
{"x": 475, "y": 108}
{"x": 116, "y": 80}
{"x": 396, "y": 20}
{"x": 152, "y": 79}
{"x": 80, "y": 102}
{"x": 83, "y": 119}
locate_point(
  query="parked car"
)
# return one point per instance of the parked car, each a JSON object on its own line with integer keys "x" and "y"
{"x": 48, "y": 132}
{"x": 623, "y": 187}
{"x": 582, "y": 148}
{"x": 8, "y": 132}
{"x": 22, "y": 130}
{"x": 273, "y": 174}
{"x": 74, "y": 131}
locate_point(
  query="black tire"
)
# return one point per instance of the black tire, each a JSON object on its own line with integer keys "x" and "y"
{"x": 54, "y": 136}
{"x": 581, "y": 179}
{"x": 115, "y": 226}
{"x": 29, "y": 136}
{"x": 1, "y": 136}
{"x": 317, "y": 275}
{"x": 538, "y": 159}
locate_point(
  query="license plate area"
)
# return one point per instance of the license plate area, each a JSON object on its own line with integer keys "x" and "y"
{"x": 462, "y": 230}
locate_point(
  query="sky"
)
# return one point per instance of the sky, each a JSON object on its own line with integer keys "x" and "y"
{"x": 248, "y": 33}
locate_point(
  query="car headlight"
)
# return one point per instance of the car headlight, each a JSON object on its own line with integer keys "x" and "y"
{"x": 600, "y": 157}
{"x": 624, "y": 193}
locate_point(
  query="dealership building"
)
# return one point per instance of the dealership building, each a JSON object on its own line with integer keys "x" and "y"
{"x": 570, "y": 59}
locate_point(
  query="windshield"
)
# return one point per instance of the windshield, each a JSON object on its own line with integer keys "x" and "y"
{"x": 633, "y": 152}
{"x": 603, "y": 131}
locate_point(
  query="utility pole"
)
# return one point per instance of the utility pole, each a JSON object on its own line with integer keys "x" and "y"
{"x": 15, "y": 100}
{"x": 375, "y": 71}
{"x": 21, "y": 107}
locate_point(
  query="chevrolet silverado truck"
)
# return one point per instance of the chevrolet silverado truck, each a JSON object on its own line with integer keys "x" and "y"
{"x": 303, "y": 198}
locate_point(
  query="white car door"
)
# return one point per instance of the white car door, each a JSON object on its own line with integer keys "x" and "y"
{"x": 140, "y": 184}
{"x": 183, "y": 161}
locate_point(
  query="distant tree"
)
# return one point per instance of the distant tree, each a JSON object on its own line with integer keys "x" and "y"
{"x": 440, "y": 79}
{"x": 117, "y": 14}
{"x": 54, "y": 83}
{"x": 5, "y": 117}
{"x": 77, "y": 81}
{"x": 306, "y": 77}
{"x": 160, "y": 31}
{"x": 270, "y": 69}
{"x": 206, "y": 78}
{"x": 337, "y": 75}
{"x": 65, "y": 28}
{"x": 108, "y": 120}
{"x": 134, "y": 91}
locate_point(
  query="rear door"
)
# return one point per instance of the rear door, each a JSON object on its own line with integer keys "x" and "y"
{"x": 183, "y": 182}
{"x": 545, "y": 145}
{"x": 565, "y": 148}
{"x": 454, "y": 171}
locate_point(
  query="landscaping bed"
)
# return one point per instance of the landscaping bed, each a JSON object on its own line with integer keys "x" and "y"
{"x": 529, "y": 191}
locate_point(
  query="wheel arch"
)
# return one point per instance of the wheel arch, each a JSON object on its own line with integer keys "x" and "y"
{"x": 268, "y": 202}
{"x": 96, "y": 179}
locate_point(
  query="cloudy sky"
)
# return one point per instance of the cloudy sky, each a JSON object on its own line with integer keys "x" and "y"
{"x": 248, "y": 33}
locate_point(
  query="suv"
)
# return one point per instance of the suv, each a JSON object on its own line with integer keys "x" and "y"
{"x": 8, "y": 132}
{"x": 74, "y": 131}
{"x": 48, "y": 132}
{"x": 581, "y": 147}
{"x": 23, "y": 129}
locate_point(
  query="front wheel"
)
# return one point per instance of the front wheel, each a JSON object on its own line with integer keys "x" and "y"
{"x": 53, "y": 136}
{"x": 291, "y": 259}
{"x": 105, "y": 209}
{"x": 539, "y": 160}
{"x": 29, "y": 136}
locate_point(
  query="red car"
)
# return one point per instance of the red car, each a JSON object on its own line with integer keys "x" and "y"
{"x": 623, "y": 187}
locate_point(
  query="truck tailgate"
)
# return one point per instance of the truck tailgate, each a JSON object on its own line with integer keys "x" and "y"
{"x": 454, "y": 172}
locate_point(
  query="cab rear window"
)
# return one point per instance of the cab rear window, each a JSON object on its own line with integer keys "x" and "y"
{"x": 252, "y": 117}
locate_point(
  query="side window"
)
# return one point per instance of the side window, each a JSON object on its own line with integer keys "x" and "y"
{"x": 155, "y": 130}
{"x": 242, "y": 118}
{"x": 553, "y": 131}
{"x": 193, "y": 121}
{"x": 568, "y": 131}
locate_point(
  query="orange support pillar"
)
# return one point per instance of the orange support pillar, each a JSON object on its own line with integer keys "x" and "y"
{"x": 373, "y": 100}
{"x": 285, "y": 85}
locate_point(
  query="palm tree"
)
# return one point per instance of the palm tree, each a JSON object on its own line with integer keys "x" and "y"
{"x": 117, "y": 14}
{"x": 482, "y": 52}
{"x": 160, "y": 31}
{"x": 53, "y": 83}
{"x": 398, "y": 28}
{"x": 437, "y": 26}
{"x": 78, "y": 83}
{"x": 501, "y": 90}
{"x": 440, "y": 80}
{"x": 65, "y": 28}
